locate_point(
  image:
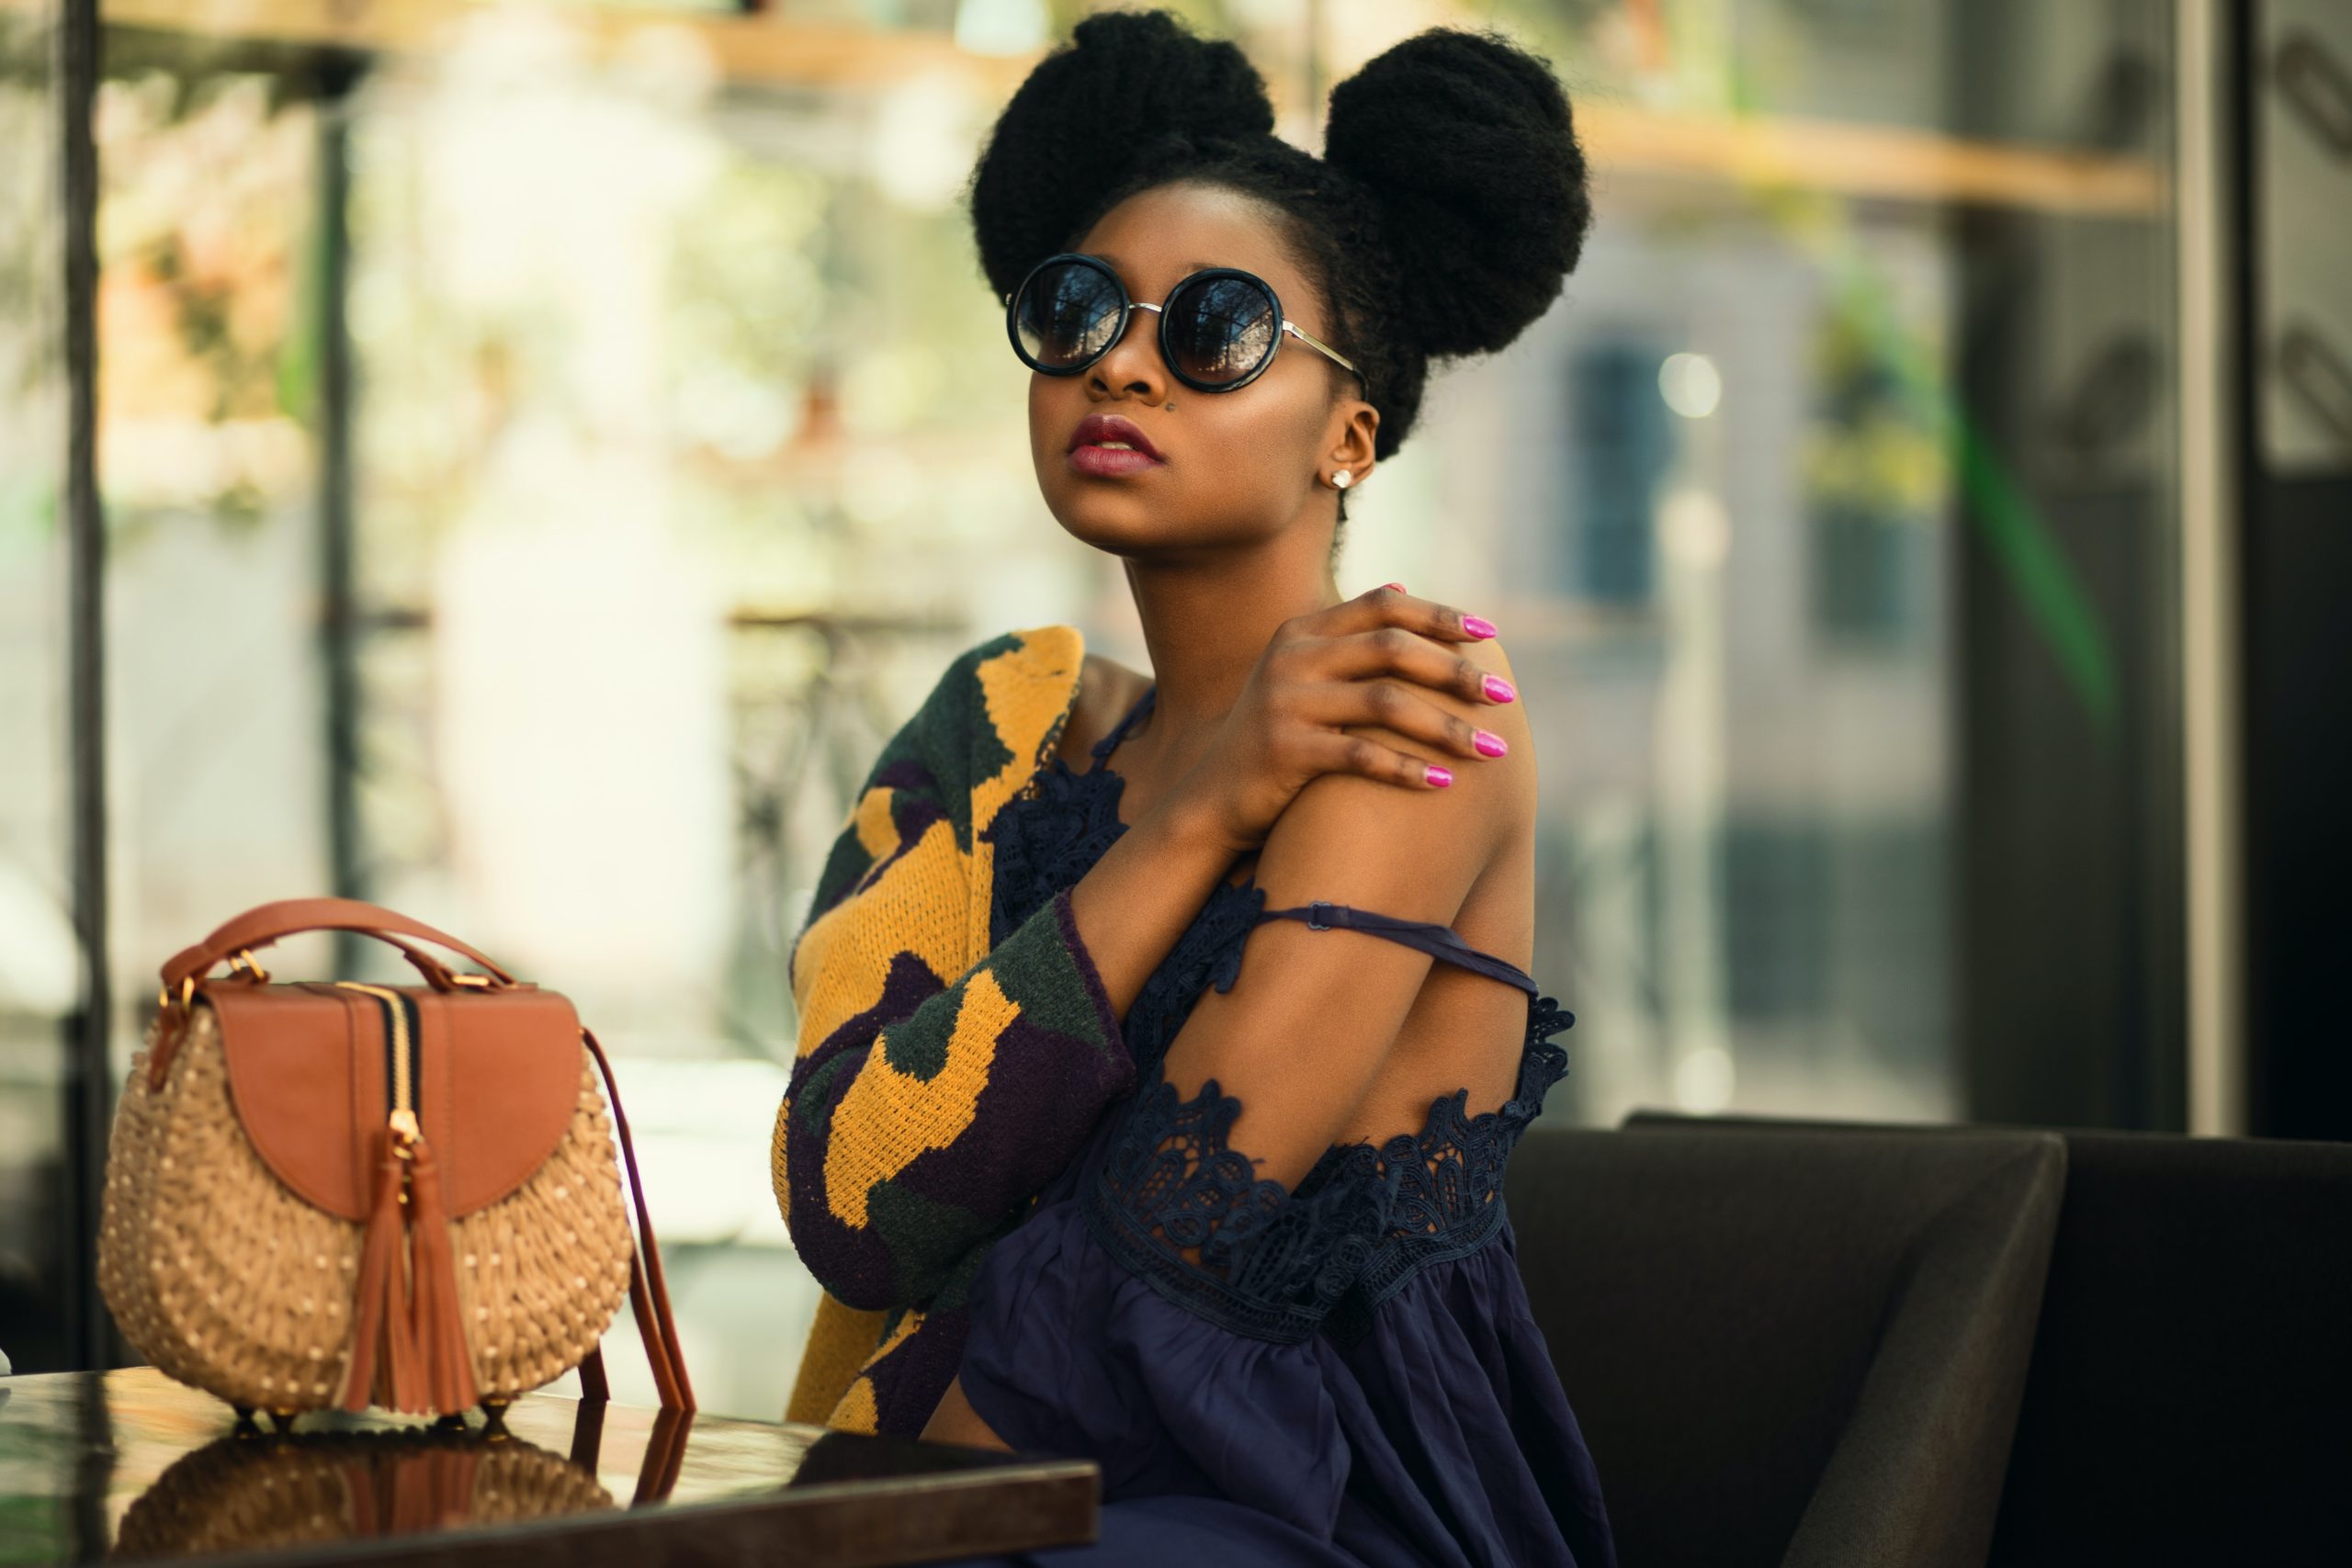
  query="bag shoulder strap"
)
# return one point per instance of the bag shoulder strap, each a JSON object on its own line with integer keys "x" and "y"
{"x": 649, "y": 1294}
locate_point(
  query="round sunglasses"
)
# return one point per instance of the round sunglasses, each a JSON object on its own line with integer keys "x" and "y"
{"x": 1219, "y": 327}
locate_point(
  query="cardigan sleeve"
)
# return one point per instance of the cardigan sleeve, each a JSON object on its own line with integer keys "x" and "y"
{"x": 935, "y": 1090}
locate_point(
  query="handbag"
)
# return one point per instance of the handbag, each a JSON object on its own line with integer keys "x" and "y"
{"x": 336, "y": 1194}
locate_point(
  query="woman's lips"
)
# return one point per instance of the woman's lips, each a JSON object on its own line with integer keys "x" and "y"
{"x": 1110, "y": 462}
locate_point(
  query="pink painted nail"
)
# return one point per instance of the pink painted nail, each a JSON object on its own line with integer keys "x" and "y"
{"x": 1477, "y": 626}
{"x": 1490, "y": 744}
{"x": 1439, "y": 776}
{"x": 1398, "y": 586}
{"x": 1498, "y": 689}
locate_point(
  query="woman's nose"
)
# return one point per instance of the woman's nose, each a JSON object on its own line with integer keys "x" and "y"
{"x": 1134, "y": 363}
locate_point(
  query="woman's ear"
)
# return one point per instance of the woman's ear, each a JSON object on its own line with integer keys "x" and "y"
{"x": 1351, "y": 452}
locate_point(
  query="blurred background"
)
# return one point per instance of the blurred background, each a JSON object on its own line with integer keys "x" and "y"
{"x": 517, "y": 463}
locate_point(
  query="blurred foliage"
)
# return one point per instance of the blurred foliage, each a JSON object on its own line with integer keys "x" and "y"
{"x": 1870, "y": 447}
{"x": 32, "y": 382}
{"x": 205, "y": 228}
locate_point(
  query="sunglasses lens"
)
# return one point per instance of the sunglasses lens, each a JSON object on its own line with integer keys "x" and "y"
{"x": 1221, "y": 329}
{"x": 1066, "y": 315}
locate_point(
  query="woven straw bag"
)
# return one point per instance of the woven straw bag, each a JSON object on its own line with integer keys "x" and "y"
{"x": 329, "y": 1194}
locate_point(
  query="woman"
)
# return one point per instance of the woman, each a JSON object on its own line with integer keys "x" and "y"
{"x": 1158, "y": 1112}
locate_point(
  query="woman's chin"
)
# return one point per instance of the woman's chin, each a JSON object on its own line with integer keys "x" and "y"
{"x": 1122, "y": 524}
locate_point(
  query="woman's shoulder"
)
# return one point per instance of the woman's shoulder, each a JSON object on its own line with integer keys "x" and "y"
{"x": 1500, "y": 792}
{"x": 1038, "y": 688}
{"x": 968, "y": 746}
{"x": 1047, "y": 656}
{"x": 1482, "y": 820}
{"x": 1017, "y": 681}
{"x": 990, "y": 718}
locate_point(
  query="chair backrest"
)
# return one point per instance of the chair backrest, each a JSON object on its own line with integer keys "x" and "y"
{"x": 2192, "y": 1369}
{"x": 1790, "y": 1351}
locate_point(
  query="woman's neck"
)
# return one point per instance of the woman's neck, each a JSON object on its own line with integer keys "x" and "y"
{"x": 1205, "y": 624}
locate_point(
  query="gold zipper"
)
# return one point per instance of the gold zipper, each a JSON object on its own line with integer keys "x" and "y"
{"x": 402, "y": 1120}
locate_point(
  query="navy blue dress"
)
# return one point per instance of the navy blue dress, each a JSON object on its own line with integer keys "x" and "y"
{"x": 1349, "y": 1374}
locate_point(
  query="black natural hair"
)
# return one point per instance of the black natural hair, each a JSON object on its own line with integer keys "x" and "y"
{"x": 1448, "y": 208}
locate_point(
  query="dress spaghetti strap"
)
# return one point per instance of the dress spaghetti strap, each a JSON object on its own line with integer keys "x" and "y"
{"x": 1109, "y": 743}
{"x": 1437, "y": 941}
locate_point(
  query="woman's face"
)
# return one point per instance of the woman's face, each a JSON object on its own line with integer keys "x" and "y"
{"x": 1231, "y": 468}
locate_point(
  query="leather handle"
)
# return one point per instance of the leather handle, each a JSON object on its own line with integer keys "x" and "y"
{"x": 167, "y": 1045}
{"x": 438, "y": 975}
{"x": 266, "y": 924}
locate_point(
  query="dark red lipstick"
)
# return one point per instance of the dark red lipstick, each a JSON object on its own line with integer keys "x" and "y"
{"x": 1106, "y": 447}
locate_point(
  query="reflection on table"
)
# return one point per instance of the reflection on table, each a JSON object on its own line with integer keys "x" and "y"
{"x": 129, "y": 1465}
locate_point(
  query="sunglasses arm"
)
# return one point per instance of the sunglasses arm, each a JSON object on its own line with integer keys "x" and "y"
{"x": 1325, "y": 349}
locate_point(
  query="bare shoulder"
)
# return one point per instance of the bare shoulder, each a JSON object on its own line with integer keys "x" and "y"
{"x": 1491, "y": 804}
{"x": 1498, "y": 782}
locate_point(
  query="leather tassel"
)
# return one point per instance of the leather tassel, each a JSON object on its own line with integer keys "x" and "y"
{"x": 379, "y": 1304}
{"x": 439, "y": 1322}
{"x": 402, "y": 1384}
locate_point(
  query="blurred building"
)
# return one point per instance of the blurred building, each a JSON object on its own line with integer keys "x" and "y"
{"x": 518, "y": 462}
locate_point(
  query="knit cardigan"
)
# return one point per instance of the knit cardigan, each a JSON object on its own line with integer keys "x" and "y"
{"x": 939, "y": 1084}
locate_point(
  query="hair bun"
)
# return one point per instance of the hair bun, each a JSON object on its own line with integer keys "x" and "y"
{"x": 1465, "y": 144}
{"x": 1125, "y": 85}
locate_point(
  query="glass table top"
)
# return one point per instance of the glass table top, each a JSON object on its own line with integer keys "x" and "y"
{"x": 129, "y": 1465}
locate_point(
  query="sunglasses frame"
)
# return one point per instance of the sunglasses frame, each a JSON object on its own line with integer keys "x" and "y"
{"x": 1129, "y": 305}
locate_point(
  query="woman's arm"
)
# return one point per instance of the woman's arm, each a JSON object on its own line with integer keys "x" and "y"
{"x": 1307, "y": 1028}
{"x": 922, "y": 1121}
{"x": 1329, "y": 739}
{"x": 890, "y": 1161}
{"x": 1298, "y": 1040}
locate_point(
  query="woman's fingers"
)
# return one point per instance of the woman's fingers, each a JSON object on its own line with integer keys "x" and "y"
{"x": 1394, "y": 706}
{"x": 1393, "y": 650}
{"x": 1329, "y": 751}
{"x": 1387, "y": 606}
{"x": 1370, "y": 661}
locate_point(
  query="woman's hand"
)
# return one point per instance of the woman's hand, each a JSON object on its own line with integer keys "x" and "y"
{"x": 1365, "y": 664}
{"x": 1356, "y": 662}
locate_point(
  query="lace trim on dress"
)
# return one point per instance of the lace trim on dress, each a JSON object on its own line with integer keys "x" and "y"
{"x": 1051, "y": 834}
{"x": 1275, "y": 1263}
{"x": 1048, "y": 839}
{"x": 1271, "y": 1265}
{"x": 1449, "y": 1177}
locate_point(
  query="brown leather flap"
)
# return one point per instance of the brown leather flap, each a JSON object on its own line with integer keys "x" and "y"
{"x": 498, "y": 1079}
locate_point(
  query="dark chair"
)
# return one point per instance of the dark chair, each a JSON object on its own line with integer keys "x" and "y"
{"x": 2190, "y": 1392}
{"x": 1797, "y": 1351}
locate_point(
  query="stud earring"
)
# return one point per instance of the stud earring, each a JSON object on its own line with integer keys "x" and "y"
{"x": 1339, "y": 479}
